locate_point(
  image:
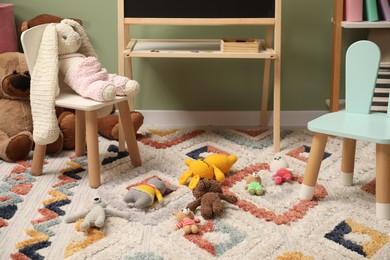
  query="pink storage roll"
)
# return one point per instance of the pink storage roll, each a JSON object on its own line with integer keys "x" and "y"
{"x": 353, "y": 10}
{"x": 8, "y": 40}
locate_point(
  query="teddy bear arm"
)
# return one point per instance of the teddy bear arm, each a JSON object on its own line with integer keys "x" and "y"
{"x": 193, "y": 205}
{"x": 229, "y": 198}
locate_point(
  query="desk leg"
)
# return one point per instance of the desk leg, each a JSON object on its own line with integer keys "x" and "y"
{"x": 264, "y": 96}
{"x": 267, "y": 64}
{"x": 128, "y": 130}
{"x": 277, "y": 105}
{"x": 92, "y": 149}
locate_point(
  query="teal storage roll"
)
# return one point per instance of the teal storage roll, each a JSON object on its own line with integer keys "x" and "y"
{"x": 370, "y": 10}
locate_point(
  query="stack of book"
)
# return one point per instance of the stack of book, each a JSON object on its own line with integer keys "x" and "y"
{"x": 366, "y": 10}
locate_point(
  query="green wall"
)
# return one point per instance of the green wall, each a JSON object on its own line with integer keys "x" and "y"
{"x": 214, "y": 84}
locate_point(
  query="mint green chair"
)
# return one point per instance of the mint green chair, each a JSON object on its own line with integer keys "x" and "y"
{"x": 356, "y": 122}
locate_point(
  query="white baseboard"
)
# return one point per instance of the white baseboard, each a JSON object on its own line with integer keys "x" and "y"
{"x": 179, "y": 118}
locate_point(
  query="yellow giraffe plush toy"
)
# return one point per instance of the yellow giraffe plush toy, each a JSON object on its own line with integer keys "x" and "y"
{"x": 214, "y": 166}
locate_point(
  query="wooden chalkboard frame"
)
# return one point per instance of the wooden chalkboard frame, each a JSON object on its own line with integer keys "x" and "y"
{"x": 199, "y": 9}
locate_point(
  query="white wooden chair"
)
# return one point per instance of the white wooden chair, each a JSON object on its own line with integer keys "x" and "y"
{"x": 86, "y": 117}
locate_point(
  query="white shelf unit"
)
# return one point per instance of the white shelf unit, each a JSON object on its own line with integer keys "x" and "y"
{"x": 338, "y": 26}
{"x": 129, "y": 48}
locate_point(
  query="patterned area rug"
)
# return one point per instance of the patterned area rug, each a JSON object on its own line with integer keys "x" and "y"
{"x": 339, "y": 223}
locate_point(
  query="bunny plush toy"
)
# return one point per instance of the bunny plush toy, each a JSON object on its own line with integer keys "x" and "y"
{"x": 66, "y": 49}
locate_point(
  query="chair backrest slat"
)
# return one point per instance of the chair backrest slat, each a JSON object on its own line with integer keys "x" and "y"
{"x": 362, "y": 65}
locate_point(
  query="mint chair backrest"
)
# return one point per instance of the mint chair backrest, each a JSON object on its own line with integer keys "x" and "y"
{"x": 361, "y": 70}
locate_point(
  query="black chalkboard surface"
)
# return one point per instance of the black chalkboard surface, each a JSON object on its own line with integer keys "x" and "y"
{"x": 200, "y": 8}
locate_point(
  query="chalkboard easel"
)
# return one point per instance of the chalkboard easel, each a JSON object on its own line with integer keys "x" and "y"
{"x": 265, "y": 13}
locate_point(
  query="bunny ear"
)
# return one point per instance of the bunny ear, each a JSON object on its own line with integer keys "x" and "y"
{"x": 44, "y": 89}
{"x": 86, "y": 46}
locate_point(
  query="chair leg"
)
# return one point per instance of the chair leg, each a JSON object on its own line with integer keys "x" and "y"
{"x": 348, "y": 161}
{"x": 38, "y": 158}
{"x": 382, "y": 181}
{"x": 80, "y": 133}
{"x": 92, "y": 149}
{"x": 128, "y": 130}
{"x": 313, "y": 166}
{"x": 121, "y": 139}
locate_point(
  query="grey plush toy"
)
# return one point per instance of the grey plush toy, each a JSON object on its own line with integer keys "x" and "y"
{"x": 143, "y": 195}
{"x": 96, "y": 215}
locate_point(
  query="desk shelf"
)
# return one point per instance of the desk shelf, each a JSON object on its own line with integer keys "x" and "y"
{"x": 188, "y": 49}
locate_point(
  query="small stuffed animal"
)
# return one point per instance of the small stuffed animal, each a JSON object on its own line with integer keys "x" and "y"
{"x": 65, "y": 48}
{"x": 279, "y": 166}
{"x": 254, "y": 186}
{"x": 208, "y": 194}
{"x": 277, "y": 163}
{"x": 282, "y": 175}
{"x": 186, "y": 220}
{"x": 95, "y": 216}
{"x": 213, "y": 166}
{"x": 143, "y": 195}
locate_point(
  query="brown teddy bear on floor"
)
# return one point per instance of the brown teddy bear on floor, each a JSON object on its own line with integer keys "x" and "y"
{"x": 208, "y": 194}
{"x": 108, "y": 126}
{"x": 15, "y": 111}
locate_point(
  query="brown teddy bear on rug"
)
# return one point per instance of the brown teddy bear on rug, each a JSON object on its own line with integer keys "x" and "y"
{"x": 15, "y": 112}
{"x": 108, "y": 126}
{"x": 208, "y": 194}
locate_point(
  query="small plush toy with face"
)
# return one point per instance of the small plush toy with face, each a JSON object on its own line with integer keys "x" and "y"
{"x": 186, "y": 220}
{"x": 96, "y": 215}
{"x": 254, "y": 186}
{"x": 280, "y": 168}
{"x": 277, "y": 163}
